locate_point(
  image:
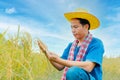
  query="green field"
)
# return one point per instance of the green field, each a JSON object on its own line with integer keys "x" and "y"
{"x": 19, "y": 62}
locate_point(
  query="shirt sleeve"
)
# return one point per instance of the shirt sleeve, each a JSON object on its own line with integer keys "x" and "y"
{"x": 66, "y": 52}
{"x": 95, "y": 53}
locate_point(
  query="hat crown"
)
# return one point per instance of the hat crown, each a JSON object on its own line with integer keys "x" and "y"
{"x": 81, "y": 10}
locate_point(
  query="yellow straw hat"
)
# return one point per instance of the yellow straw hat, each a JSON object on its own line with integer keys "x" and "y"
{"x": 82, "y": 13}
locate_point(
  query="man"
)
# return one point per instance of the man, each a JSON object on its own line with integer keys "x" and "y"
{"x": 82, "y": 59}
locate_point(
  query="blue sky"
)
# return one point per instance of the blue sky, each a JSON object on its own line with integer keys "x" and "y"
{"x": 44, "y": 19}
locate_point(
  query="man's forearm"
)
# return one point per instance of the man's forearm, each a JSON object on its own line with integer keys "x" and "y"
{"x": 87, "y": 65}
{"x": 57, "y": 65}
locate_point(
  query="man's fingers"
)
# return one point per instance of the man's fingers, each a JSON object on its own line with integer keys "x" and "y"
{"x": 42, "y": 46}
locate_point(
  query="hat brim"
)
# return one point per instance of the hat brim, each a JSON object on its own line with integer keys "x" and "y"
{"x": 94, "y": 22}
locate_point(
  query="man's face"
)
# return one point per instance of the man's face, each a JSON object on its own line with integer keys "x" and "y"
{"x": 78, "y": 29}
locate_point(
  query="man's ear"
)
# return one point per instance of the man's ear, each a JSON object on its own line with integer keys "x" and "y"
{"x": 86, "y": 26}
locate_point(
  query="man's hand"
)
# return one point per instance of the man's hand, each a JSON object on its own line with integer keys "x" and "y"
{"x": 53, "y": 56}
{"x": 44, "y": 49}
{"x": 42, "y": 46}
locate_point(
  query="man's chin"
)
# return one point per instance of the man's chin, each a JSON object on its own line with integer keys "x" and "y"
{"x": 76, "y": 38}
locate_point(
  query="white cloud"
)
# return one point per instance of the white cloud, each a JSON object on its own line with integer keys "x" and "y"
{"x": 34, "y": 28}
{"x": 12, "y": 24}
{"x": 10, "y": 10}
{"x": 57, "y": 36}
{"x": 12, "y": 28}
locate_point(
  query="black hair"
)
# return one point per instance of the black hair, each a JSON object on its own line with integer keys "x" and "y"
{"x": 83, "y": 22}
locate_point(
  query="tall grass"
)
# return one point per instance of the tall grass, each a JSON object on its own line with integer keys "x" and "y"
{"x": 19, "y": 62}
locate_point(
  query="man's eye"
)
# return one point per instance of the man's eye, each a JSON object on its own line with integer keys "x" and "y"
{"x": 75, "y": 26}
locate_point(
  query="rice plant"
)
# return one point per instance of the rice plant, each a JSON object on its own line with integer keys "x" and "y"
{"x": 19, "y": 62}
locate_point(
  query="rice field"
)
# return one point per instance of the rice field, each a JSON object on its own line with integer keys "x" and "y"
{"x": 111, "y": 68}
{"x": 19, "y": 62}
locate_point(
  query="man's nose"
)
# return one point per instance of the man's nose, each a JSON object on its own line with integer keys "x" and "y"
{"x": 73, "y": 30}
